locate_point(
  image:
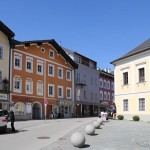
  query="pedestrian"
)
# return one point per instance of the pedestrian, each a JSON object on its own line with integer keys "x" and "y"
{"x": 52, "y": 115}
{"x": 12, "y": 120}
{"x": 114, "y": 114}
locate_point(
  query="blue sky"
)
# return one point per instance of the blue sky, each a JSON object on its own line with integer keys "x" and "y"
{"x": 102, "y": 30}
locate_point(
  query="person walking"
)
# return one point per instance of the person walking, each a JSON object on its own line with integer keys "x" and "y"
{"x": 12, "y": 120}
{"x": 114, "y": 114}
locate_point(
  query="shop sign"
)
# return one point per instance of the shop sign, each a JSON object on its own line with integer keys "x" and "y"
{"x": 3, "y": 96}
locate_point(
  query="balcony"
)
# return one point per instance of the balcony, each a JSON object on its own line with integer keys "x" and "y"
{"x": 81, "y": 83}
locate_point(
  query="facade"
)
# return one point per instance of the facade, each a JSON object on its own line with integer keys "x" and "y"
{"x": 86, "y": 85}
{"x": 42, "y": 80}
{"x": 6, "y": 35}
{"x": 132, "y": 82}
{"x": 106, "y": 84}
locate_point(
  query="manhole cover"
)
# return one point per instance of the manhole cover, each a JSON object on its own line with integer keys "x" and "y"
{"x": 43, "y": 137}
{"x": 62, "y": 139}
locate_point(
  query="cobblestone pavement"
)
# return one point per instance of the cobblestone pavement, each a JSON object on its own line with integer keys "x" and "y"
{"x": 112, "y": 135}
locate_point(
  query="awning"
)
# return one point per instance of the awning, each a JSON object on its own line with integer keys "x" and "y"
{"x": 5, "y": 101}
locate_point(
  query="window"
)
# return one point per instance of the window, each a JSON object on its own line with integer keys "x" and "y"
{"x": 68, "y": 75}
{"x": 95, "y": 96}
{"x": 39, "y": 67}
{"x": 60, "y": 73}
{"x": 101, "y": 82}
{"x": 104, "y": 84}
{"x": 125, "y": 105}
{"x": 42, "y": 50}
{"x": 0, "y": 76}
{"x": 84, "y": 94}
{"x": 101, "y": 95}
{"x": 17, "y": 85}
{"x": 29, "y": 64}
{"x": 69, "y": 93}
{"x": 142, "y": 104}
{"x": 51, "y": 70}
{"x": 29, "y": 86}
{"x": 141, "y": 75}
{"x": 78, "y": 77}
{"x": 17, "y": 61}
{"x": 50, "y": 90}
{"x": 91, "y": 80}
{"x": 40, "y": 88}
{"x": 125, "y": 78}
{"x": 105, "y": 95}
{"x": 1, "y": 52}
{"x": 60, "y": 91}
{"x": 51, "y": 54}
{"x": 19, "y": 109}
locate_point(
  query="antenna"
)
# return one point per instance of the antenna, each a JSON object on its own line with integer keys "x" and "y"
{"x": 59, "y": 43}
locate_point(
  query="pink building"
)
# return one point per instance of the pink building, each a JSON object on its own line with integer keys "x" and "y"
{"x": 106, "y": 90}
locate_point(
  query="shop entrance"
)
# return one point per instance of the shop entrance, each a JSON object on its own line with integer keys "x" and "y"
{"x": 37, "y": 111}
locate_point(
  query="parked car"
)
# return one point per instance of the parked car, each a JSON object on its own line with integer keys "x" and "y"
{"x": 3, "y": 121}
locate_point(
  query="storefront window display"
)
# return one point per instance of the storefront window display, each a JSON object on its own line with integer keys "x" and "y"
{"x": 19, "y": 108}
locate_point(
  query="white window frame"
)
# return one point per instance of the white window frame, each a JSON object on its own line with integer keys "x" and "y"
{"x": 105, "y": 95}
{"x": 2, "y": 52}
{"x": 62, "y": 91}
{"x": 108, "y": 84}
{"x": 29, "y": 83}
{"x": 125, "y": 108}
{"x": 60, "y": 77}
{"x": 101, "y": 93}
{"x": 40, "y": 83}
{"x": 144, "y": 104}
{"x": 68, "y": 89}
{"x": 30, "y": 60}
{"x": 112, "y": 85}
{"x": 50, "y": 53}
{"x": 20, "y": 85}
{"x": 101, "y": 83}
{"x": 18, "y": 56}
{"x": 68, "y": 71}
{"x": 53, "y": 89}
{"x": 53, "y": 71}
{"x": 40, "y": 63}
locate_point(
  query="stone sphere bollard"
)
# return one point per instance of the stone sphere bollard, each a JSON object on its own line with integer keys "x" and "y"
{"x": 78, "y": 139}
{"x": 96, "y": 124}
{"x": 90, "y": 129}
{"x": 100, "y": 120}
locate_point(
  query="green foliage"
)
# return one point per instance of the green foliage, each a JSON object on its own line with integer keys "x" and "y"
{"x": 120, "y": 117}
{"x": 136, "y": 118}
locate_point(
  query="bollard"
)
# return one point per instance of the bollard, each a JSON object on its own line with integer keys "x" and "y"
{"x": 78, "y": 139}
{"x": 100, "y": 120}
{"x": 96, "y": 124}
{"x": 90, "y": 129}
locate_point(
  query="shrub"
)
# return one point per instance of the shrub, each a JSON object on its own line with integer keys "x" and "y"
{"x": 136, "y": 118}
{"x": 120, "y": 117}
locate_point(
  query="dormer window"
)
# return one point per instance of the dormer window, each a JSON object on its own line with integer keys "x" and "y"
{"x": 51, "y": 54}
{"x": 1, "y": 52}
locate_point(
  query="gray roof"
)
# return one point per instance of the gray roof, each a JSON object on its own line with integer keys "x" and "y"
{"x": 139, "y": 49}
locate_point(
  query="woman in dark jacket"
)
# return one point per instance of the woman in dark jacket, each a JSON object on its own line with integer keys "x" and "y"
{"x": 12, "y": 120}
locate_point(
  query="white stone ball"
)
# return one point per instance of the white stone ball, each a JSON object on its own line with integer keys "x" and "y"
{"x": 96, "y": 124}
{"x": 78, "y": 139}
{"x": 100, "y": 120}
{"x": 90, "y": 129}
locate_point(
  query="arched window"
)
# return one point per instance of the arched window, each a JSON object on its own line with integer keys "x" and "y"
{"x": 19, "y": 109}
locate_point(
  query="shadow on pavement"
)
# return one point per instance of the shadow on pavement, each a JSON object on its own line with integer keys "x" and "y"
{"x": 85, "y": 146}
{"x": 10, "y": 132}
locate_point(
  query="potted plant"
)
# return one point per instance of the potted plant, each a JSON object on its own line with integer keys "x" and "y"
{"x": 5, "y": 82}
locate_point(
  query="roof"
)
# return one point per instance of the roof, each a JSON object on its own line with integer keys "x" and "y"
{"x": 70, "y": 51}
{"x": 6, "y": 30}
{"x": 139, "y": 49}
{"x": 54, "y": 44}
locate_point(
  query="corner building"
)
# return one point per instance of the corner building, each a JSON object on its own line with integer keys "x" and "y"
{"x": 42, "y": 80}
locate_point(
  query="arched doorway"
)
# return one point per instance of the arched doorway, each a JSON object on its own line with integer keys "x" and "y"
{"x": 37, "y": 111}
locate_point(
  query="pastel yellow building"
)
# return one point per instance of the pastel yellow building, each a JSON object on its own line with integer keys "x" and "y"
{"x": 132, "y": 83}
{"x": 6, "y": 35}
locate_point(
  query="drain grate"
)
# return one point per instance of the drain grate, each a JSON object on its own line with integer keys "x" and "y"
{"x": 43, "y": 137}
